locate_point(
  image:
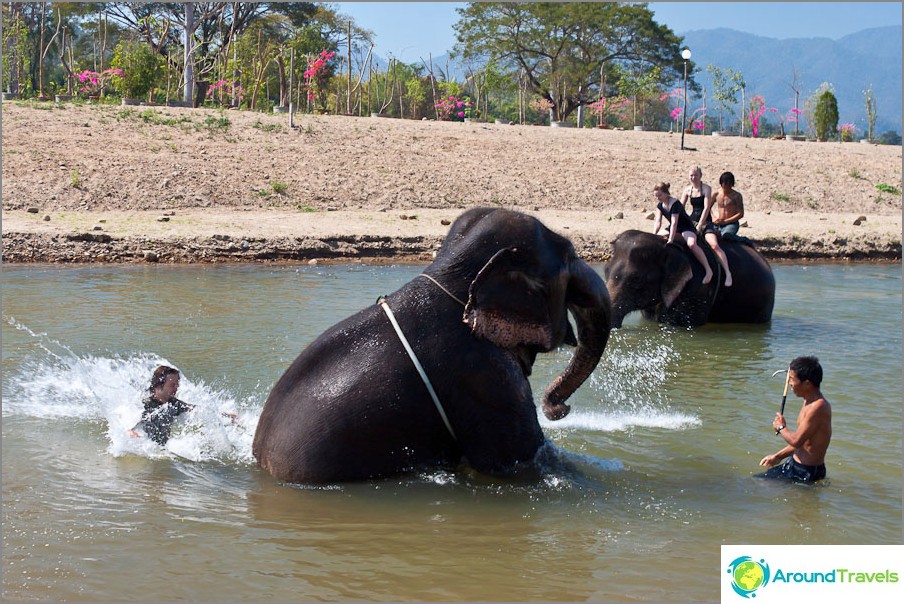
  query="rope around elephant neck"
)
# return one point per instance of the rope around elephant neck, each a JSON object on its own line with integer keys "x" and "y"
{"x": 417, "y": 365}
{"x": 439, "y": 285}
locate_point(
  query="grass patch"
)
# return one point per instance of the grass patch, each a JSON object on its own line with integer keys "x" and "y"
{"x": 855, "y": 173}
{"x": 279, "y": 187}
{"x": 266, "y": 127}
{"x": 888, "y": 189}
{"x": 216, "y": 124}
{"x": 780, "y": 196}
{"x": 75, "y": 179}
{"x": 306, "y": 209}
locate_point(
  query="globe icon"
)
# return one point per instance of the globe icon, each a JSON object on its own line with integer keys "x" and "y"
{"x": 748, "y": 575}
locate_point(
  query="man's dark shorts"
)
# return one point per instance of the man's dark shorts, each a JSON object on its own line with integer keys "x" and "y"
{"x": 792, "y": 470}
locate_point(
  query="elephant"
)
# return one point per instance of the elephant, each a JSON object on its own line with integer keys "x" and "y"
{"x": 357, "y": 405}
{"x": 664, "y": 282}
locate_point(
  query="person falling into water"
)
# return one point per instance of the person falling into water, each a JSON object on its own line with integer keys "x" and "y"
{"x": 161, "y": 407}
{"x": 807, "y": 445}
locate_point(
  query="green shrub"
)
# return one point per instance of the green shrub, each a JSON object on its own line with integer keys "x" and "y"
{"x": 826, "y": 115}
{"x": 139, "y": 68}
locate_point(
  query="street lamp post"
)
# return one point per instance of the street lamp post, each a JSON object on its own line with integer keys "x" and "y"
{"x": 686, "y": 55}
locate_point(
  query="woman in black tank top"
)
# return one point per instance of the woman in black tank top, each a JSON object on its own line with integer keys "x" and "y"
{"x": 697, "y": 208}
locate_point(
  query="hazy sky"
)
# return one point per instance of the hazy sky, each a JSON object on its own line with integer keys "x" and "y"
{"x": 411, "y": 30}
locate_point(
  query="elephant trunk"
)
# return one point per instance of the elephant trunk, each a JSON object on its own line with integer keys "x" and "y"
{"x": 593, "y": 325}
{"x": 619, "y": 312}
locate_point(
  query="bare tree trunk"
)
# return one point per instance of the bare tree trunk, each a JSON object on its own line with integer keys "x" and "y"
{"x": 348, "y": 98}
{"x": 401, "y": 95}
{"x": 291, "y": 83}
{"x": 433, "y": 85}
{"x": 188, "y": 77}
{"x": 103, "y": 42}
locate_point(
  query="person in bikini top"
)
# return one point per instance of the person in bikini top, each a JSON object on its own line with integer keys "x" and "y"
{"x": 700, "y": 203}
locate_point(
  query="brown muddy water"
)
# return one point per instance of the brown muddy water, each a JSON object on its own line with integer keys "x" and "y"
{"x": 656, "y": 467}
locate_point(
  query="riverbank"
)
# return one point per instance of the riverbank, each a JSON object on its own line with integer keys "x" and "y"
{"x": 116, "y": 184}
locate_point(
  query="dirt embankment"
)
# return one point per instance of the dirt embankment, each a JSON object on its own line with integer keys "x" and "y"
{"x": 137, "y": 184}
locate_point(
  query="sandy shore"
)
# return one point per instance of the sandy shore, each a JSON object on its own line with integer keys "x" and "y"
{"x": 116, "y": 184}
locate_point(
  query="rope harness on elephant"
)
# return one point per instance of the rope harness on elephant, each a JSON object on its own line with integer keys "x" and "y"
{"x": 439, "y": 285}
{"x": 417, "y": 364}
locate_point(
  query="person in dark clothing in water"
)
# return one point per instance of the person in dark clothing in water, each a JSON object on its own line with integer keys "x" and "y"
{"x": 805, "y": 449}
{"x": 161, "y": 407}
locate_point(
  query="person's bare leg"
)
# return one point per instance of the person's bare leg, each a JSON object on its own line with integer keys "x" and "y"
{"x": 720, "y": 254}
{"x": 698, "y": 253}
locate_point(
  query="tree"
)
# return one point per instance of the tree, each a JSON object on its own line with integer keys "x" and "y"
{"x": 795, "y": 86}
{"x": 870, "y": 99}
{"x": 640, "y": 84}
{"x": 15, "y": 47}
{"x": 139, "y": 68}
{"x": 561, "y": 48}
{"x": 726, "y": 85}
{"x": 825, "y": 116}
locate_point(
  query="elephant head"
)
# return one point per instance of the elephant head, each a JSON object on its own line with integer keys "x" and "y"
{"x": 520, "y": 296}
{"x": 647, "y": 274}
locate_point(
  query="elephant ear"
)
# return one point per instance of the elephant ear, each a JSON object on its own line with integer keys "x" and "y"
{"x": 676, "y": 272}
{"x": 507, "y": 305}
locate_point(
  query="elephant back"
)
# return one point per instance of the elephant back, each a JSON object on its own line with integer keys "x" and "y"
{"x": 752, "y": 296}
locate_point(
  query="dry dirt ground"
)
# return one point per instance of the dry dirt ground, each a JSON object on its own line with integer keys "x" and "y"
{"x": 105, "y": 183}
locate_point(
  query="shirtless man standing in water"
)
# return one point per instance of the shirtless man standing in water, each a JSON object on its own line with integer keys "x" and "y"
{"x": 806, "y": 448}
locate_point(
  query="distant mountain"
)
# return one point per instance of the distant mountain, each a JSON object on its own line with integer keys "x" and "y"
{"x": 851, "y": 64}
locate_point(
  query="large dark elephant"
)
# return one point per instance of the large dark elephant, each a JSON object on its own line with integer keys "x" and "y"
{"x": 665, "y": 282}
{"x": 354, "y": 406}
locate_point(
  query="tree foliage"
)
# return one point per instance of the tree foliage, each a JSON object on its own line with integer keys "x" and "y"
{"x": 562, "y": 48}
{"x": 726, "y": 85}
{"x": 139, "y": 67}
{"x": 825, "y": 116}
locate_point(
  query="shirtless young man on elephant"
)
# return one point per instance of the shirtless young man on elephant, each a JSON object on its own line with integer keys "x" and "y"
{"x": 806, "y": 446}
{"x": 728, "y": 206}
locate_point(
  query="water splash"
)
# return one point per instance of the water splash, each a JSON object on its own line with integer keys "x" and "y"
{"x": 629, "y": 389}
{"x": 60, "y": 384}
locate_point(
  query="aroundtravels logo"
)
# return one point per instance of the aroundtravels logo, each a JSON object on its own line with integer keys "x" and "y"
{"x": 867, "y": 573}
{"x": 748, "y": 575}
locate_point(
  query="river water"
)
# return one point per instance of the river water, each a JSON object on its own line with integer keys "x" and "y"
{"x": 659, "y": 449}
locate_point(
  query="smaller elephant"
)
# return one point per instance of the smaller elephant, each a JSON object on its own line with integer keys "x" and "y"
{"x": 664, "y": 282}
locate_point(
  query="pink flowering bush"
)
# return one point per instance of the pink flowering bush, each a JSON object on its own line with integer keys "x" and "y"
{"x": 758, "y": 109}
{"x": 317, "y": 75}
{"x": 697, "y": 119}
{"x": 847, "y": 132}
{"x": 793, "y": 117}
{"x": 542, "y": 105}
{"x": 613, "y": 106}
{"x": 93, "y": 83}
{"x": 453, "y": 109}
{"x": 223, "y": 90}
{"x": 669, "y": 98}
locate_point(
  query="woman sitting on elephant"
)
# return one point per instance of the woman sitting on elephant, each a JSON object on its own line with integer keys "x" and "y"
{"x": 702, "y": 207}
{"x": 679, "y": 222}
